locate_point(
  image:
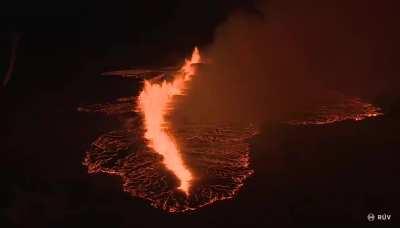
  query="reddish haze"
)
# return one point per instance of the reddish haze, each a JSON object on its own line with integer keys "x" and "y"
{"x": 289, "y": 54}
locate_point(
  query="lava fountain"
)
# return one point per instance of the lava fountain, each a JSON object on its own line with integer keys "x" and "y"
{"x": 143, "y": 150}
{"x": 155, "y": 102}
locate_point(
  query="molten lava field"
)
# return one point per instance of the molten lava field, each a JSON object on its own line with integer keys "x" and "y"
{"x": 217, "y": 153}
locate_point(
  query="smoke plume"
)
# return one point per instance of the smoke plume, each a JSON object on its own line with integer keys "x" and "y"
{"x": 288, "y": 55}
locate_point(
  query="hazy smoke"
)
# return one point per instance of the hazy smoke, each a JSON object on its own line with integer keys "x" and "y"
{"x": 285, "y": 56}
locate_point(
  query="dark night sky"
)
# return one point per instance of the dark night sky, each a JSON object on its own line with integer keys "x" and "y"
{"x": 63, "y": 48}
{"x": 105, "y": 35}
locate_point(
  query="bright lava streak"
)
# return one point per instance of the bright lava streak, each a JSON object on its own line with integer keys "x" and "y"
{"x": 155, "y": 102}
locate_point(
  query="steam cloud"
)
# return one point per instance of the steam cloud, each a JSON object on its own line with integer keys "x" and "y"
{"x": 287, "y": 55}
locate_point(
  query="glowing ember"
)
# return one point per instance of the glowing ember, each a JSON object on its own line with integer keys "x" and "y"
{"x": 155, "y": 101}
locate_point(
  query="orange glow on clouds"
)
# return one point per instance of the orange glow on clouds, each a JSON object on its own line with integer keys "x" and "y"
{"x": 155, "y": 102}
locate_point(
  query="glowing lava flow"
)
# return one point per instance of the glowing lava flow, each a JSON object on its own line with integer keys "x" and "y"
{"x": 154, "y": 102}
{"x": 218, "y": 152}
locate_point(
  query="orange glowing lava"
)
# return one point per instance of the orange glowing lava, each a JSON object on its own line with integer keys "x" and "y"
{"x": 155, "y": 102}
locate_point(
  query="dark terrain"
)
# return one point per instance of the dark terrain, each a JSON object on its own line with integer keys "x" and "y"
{"x": 328, "y": 174}
{"x": 313, "y": 174}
